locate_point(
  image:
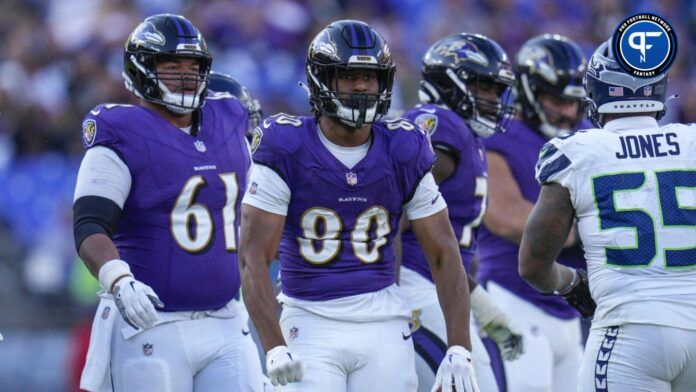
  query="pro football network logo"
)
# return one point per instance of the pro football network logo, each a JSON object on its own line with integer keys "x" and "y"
{"x": 645, "y": 45}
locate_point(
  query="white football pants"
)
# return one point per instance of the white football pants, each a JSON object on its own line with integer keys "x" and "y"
{"x": 430, "y": 334}
{"x": 552, "y": 347}
{"x": 343, "y": 356}
{"x": 205, "y": 354}
{"x": 639, "y": 358}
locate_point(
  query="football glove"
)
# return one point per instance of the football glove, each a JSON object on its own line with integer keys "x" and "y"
{"x": 137, "y": 302}
{"x": 456, "y": 370}
{"x": 282, "y": 367}
{"x": 495, "y": 323}
{"x": 577, "y": 294}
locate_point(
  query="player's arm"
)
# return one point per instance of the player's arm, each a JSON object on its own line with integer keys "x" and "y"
{"x": 259, "y": 240}
{"x": 103, "y": 184}
{"x": 507, "y": 209}
{"x": 544, "y": 236}
{"x": 445, "y": 164}
{"x": 398, "y": 249}
{"x": 264, "y": 208}
{"x": 436, "y": 238}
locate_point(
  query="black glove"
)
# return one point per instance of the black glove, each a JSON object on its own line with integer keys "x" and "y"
{"x": 578, "y": 294}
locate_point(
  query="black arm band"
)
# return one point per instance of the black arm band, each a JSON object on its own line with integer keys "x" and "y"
{"x": 93, "y": 215}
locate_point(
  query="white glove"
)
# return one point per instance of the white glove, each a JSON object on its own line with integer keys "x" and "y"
{"x": 135, "y": 300}
{"x": 456, "y": 369}
{"x": 282, "y": 367}
{"x": 495, "y": 323}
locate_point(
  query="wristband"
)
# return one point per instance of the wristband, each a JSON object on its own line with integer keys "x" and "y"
{"x": 573, "y": 283}
{"x": 111, "y": 272}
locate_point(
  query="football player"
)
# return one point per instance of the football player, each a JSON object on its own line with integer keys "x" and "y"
{"x": 327, "y": 192}
{"x": 220, "y": 82}
{"x": 466, "y": 86}
{"x": 549, "y": 73}
{"x": 156, "y": 220}
{"x": 631, "y": 185}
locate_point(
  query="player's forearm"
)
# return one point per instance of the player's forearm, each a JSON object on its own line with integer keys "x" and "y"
{"x": 546, "y": 278}
{"x": 545, "y": 233}
{"x": 453, "y": 293}
{"x": 260, "y": 302}
{"x": 96, "y": 250}
{"x": 508, "y": 222}
{"x": 471, "y": 282}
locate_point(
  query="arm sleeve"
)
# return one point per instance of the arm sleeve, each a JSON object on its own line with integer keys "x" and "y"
{"x": 426, "y": 200}
{"x": 102, "y": 173}
{"x": 267, "y": 191}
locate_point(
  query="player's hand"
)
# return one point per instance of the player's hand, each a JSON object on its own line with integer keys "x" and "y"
{"x": 457, "y": 371}
{"x": 578, "y": 294}
{"x": 496, "y": 324}
{"x": 137, "y": 302}
{"x": 510, "y": 343}
{"x": 282, "y": 366}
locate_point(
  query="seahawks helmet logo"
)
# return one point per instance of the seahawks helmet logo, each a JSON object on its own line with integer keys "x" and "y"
{"x": 461, "y": 51}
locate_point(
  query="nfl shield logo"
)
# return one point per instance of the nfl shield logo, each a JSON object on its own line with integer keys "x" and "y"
{"x": 200, "y": 146}
{"x": 294, "y": 331}
{"x": 647, "y": 91}
{"x": 252, "y": 188}
{"x": 351, "y": 178}
{"x": 106, "y": 312}
{"x": 147, "y": 349}
{"x": 89, "y": 131}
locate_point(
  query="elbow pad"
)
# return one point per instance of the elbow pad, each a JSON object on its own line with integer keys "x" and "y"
{"x": 94, "y": 215}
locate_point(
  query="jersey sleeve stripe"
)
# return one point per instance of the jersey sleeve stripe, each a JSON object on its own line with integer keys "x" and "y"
{"x": 546, "y": 152}
{"x": 548, "y": 170}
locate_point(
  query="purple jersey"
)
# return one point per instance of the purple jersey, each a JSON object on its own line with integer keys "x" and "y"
{"x": 341, "y": 222}
{"x": 520, "y": 148}
{"x": 178, "y": 228}
{"x": 464, "y": 191}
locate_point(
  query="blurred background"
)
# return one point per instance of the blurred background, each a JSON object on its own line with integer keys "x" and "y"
{"x": 60, "y": 58}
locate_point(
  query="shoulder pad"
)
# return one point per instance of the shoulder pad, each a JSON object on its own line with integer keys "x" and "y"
{"x": 227, "y": 100}
{"x": 275, "y": 136}
{"x": 98, "y": 125}
{"x": 552, "y": 161}
{"x": 406, "y": 139}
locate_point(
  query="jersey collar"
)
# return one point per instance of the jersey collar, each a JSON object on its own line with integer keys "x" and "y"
{"x": 633, "y": 122}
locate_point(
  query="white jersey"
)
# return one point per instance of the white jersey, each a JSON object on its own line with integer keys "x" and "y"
{"x": 633, "y": 187}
